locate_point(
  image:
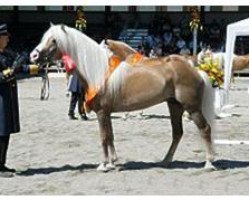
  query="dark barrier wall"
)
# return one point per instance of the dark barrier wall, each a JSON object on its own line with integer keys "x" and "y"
{"x": 99, "y": 17}
{"x": 30, "y": 25}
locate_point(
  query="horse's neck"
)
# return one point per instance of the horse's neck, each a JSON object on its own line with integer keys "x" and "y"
{"x": 90, "y": 58}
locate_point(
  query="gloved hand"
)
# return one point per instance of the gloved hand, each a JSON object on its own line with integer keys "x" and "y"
{"x": 33, "y": 69}
{"x": 8, "y": 74}
{"x": 30, "y": 69}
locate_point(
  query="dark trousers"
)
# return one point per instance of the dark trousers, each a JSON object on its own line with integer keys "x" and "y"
{"x": 4, "y": 143}
{"x": 76, "y": 97}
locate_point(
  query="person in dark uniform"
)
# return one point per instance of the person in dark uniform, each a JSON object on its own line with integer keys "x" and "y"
{"x": 74, "y": 85}
{"x": 11, "y": 64}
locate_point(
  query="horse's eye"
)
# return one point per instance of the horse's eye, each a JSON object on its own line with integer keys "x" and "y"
{"x": 54, "y": 41}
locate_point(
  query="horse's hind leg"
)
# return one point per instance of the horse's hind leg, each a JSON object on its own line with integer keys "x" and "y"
{"x": 176, "y": 111}
{"x": 205, "y": 131}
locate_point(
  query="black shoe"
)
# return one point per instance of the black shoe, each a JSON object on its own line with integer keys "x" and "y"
{"x": 72, "y": 117}
{"x": 6, "y": 172}
{"x": 6, "y": 169}
{"x": 84, "y": 117}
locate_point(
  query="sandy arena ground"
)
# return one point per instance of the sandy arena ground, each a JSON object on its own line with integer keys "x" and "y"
{"x": 56, "y": 156}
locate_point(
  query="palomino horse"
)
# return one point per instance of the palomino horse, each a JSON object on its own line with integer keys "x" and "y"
{"x": 133, "y": 86}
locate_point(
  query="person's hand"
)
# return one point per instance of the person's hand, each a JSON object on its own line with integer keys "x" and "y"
{"x": 33, "y": 69}
{"x": 8, "y": 72}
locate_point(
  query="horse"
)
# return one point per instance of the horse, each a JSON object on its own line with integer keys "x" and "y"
{"x": 239, "y": 62}
{"x": 132, "y": 86}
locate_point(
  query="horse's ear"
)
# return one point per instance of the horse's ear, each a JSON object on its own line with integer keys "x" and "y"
{"x": 51, "y": 24}
{"x": 63, "y": 28}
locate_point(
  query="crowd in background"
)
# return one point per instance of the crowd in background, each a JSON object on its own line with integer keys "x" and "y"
{"x": 164, "y": 36}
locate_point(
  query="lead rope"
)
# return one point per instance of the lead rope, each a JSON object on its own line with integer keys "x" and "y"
{"x": 45, "y": 85}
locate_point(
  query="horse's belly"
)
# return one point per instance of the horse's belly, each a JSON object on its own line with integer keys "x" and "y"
{"x": 135, "y": 99}
{"x": 142, "y": 89}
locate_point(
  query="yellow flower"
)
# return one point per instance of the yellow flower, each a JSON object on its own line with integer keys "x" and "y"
{"x": 214, "y": 72}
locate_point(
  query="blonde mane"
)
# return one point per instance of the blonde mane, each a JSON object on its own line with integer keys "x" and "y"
{"x": 90, "y": 57}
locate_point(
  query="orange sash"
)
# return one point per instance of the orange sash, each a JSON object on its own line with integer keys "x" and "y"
{"x": 114, "y": 62}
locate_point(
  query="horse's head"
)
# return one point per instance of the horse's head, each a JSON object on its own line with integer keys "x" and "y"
{"x": 48, "y": 49}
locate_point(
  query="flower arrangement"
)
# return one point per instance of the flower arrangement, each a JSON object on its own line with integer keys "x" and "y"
{"x": 195, "y": 22}
{"x": 216, "y": 75}
{"x": 80, "y": 22}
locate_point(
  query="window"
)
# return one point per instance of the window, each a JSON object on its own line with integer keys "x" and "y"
{"x": 119, "y": 8}
{"x": 6, "y": 7}
{"x": 175, "y": 8}
{"x": 27, "y": 7}
{"x": 53, "y": 8}
{"x": 146, "y": 8}
{"x": 231, "y": 8}
{"x": 94, "y": 8}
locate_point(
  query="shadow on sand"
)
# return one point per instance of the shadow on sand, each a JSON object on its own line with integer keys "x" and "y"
{"x": 49, "y": 170}
{"x": 219, "y": 164}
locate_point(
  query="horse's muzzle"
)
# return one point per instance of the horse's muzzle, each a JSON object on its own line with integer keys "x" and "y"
{"x": 34, "y": 56}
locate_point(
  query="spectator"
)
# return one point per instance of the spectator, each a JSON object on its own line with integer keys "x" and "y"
{"x": 185, "y": 51}
{"x": 167, "y": 37}
{"x": 180, "y": 43}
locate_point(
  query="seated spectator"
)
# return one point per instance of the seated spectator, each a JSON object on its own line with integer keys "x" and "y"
{"x": 150, "y": 40}
{"x": 185, "y": 51}
{"x": 180, "y": 43}
{"x": 167, "y": 37}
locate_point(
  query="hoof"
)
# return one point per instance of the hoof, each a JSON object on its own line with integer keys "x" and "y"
{"x": 209, "y": 167}
{"x": 125, "y": 117}
{"x": 102, "y": 168}
{"x": 110, "y": 166}
{"x": 167, "y": 160}
{"x": 165, "y": 164}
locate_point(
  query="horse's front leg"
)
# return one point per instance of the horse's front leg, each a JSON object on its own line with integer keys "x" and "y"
{"x": 107, "y": 141}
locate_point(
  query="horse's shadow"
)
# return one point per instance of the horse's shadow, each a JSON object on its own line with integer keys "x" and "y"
{"x": 219, "y": 164}
{"x": 49, "y": 170}
{"x": 135, "y": 165}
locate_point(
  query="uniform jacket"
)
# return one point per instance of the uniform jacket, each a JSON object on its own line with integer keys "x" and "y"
{"x": 74, "y": 84}
{"x": 9, "y": 109}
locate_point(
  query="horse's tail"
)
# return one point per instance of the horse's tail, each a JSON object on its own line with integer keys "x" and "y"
{"x": 208, "y": 108}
